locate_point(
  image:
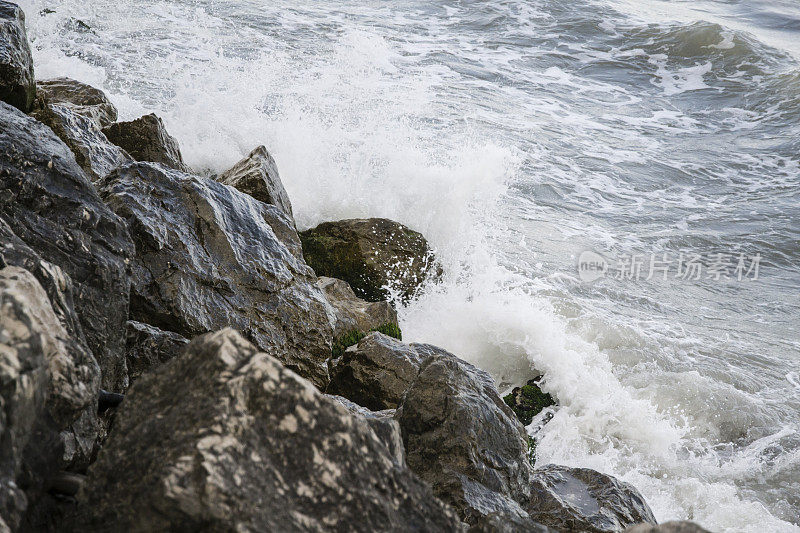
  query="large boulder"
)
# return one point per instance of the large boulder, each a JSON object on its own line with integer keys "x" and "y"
{"x": 675, "y": 526}
{"x": 463, "y": 439}
{"x": 93, "y": 152}
{"x": 257, "y": 175}
{"x": 580, "y": 499}
{"x": 209, "y": 256}
{"x": 148, "y": 347}
{"x": 375, "y": 256}
{"x": 17, "y": 83}
{"x": 50, "y": 204}
{"x": 224, "y": 438}
{"x": 79, "y": 438}
{"x": 146, "y": 139}
{"x": 83, "y": 99}
{"x": 375, "y": 373}
{"x": 46, "y": 381}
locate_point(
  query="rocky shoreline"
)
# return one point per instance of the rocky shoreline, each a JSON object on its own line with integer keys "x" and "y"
{"x": 265, "y": 383}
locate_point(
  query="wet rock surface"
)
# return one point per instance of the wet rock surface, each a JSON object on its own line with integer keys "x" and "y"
{"x": 503, "y": 523}
{"x": 146, "y": 139}
{"x": 580, "y": 499}
{"x": 85, "y": 100}
{"x": 46, "y": 382}
{"x": 463, "y": 439}
{"x": 17, "y": 82}
{"x": 251, "y": 446}
{"x": 93, "y": 152}
{"x": 376, "y": 372}
{"x": 351, "y": 312}
{"x": 257, "y": 175}
{"x": 148, "y": 347}
{"x": 209, "y": 256}
{"x": 50, "y": 204}
{"x": 371, "y": 255}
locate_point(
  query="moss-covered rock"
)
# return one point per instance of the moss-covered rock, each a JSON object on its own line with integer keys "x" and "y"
{"x": 528, "y": 401}
{"x": 351, "y": 338}
{"x": 371, "y": 255}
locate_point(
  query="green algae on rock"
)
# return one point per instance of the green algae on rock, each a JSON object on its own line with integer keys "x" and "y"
{"x": 528, "y": 401}
{"x": 340, "y": 344}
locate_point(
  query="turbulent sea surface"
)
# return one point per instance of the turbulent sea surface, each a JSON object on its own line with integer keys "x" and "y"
{"x": 516, "y": 134}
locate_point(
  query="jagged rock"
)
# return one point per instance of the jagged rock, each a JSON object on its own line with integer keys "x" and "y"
{"x": 148, "y": 347}
{"x": 46, "y": 381}
{"x": 257, "y": 175}
{"x": 50, "y": 204}
{"x": 250, "y": 446}
{"x": 17, "y": 83}
{"x": 501, "y": 523}
{"x": 580, "y": 499}
{"x": 351, "y": 313}
{"x": 682, "y": 526}
{"x": 209, "y": 256}
{"x": 371, "y": 255}
{"x": 463, "y": 439}
{"x": 79, "y": 438}
{"x": 376, "y": 373}
{"x": 93, "y": 152}
{"x": 81, "y": 98}
{"x": 528, "y": 401}
{"x": 57, "y": 284}
{"x": 146, "y": 139}
{"x": 383, "y": 424}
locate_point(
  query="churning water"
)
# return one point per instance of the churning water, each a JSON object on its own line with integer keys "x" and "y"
{"x": 516, "y": 134}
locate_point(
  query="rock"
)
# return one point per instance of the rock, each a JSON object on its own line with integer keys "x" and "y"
{"x": 351, "y": 312}
{"x": 581, "y": 499}
{"x": 383, "y": 424}
{"x": 682, "y": 526}
{"x": 250, "y": 446}
{"x": 80, "y": 437}
{"x": 501, "y": 523}
{"x": 83, "y": 99}
{"x": 371, "y": 255}
{"x": 528, "y": 401}
{"x": 50, "y": 204}
{"x": 148, "y": 347}
{"x": 463, "y": 439}
{"x": 376, "y": 373}
{"x": 146, "y": 139}
{"x": 46, "y": 382}
{"x": 56, "y": 283}
{"x": 93, "y": 152}
{"x": 209, "y": 256}
{"x": 257, "y": 175}
{"x": 17, "y": 83}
